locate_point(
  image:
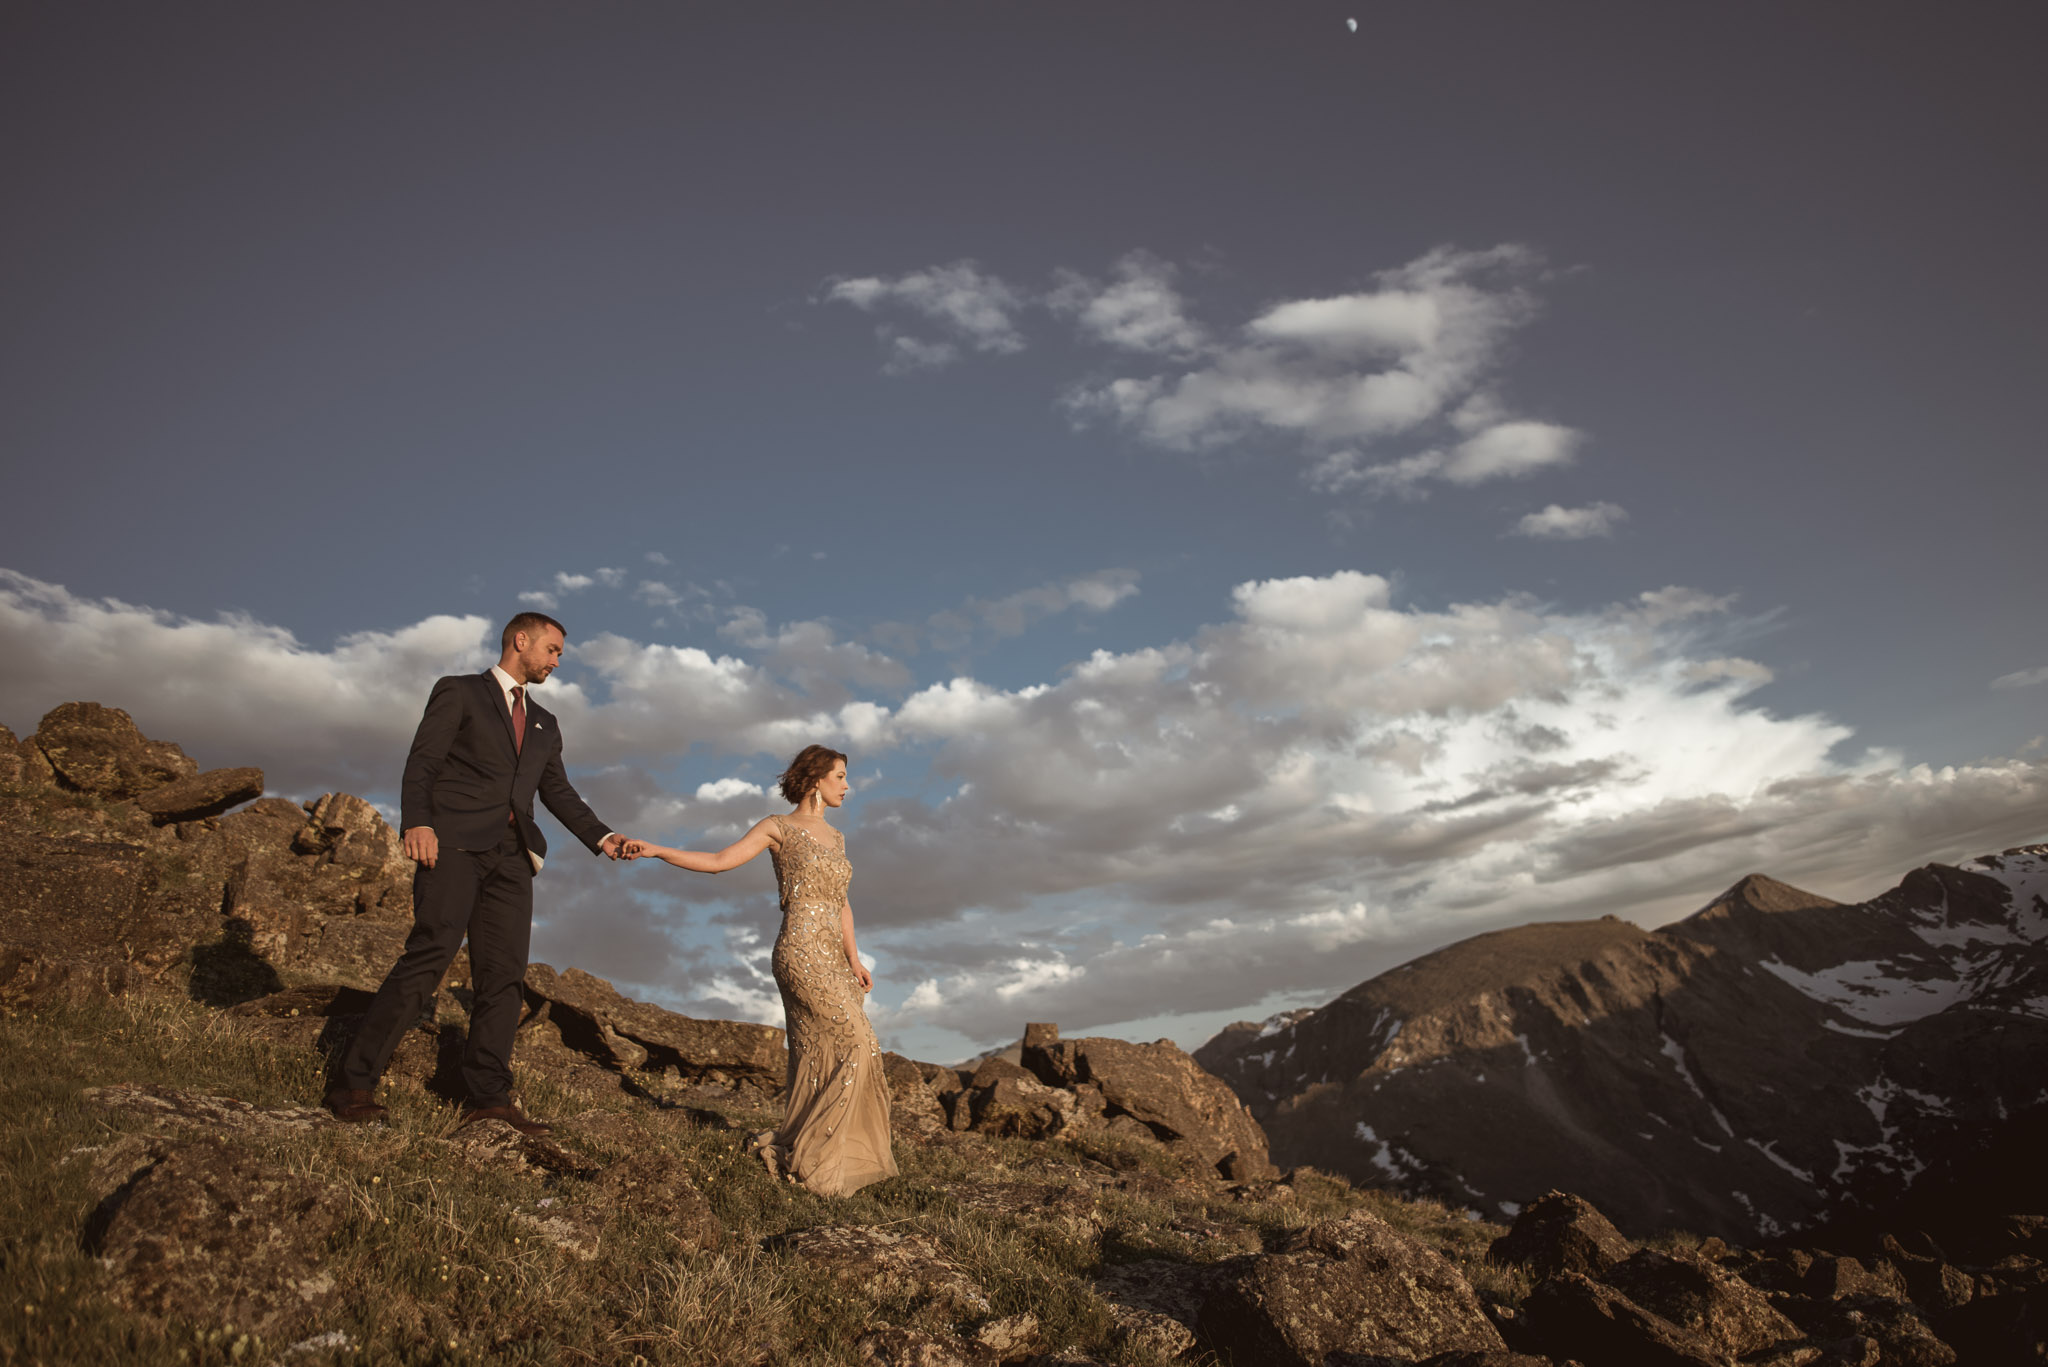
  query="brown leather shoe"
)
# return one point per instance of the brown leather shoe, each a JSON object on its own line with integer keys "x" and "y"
{"x": 355, "y": 1105}
{"x": 511, "y": 1115}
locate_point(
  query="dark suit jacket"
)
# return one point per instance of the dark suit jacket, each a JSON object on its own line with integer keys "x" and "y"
{"x": 463, "y": 774}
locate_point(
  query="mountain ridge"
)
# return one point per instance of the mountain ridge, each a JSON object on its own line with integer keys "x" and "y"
{"x": 1772, "y": 1061}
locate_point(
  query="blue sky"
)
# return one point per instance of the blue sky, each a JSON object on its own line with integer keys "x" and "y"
{"x": 1257, "y": 499}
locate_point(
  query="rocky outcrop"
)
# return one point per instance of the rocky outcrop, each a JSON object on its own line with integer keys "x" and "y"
{"x": 1159, "y": 1087}
{"x": 1561, "y": 1232}
{"x": 212, "y": 793}
{"x": 594, "y": 1015}
{"x": 100, "y": 751}
{"x": 1776, "y": 1061}
{"x": 1347, "y": 1286}
{"x": 1798, "y": 1307}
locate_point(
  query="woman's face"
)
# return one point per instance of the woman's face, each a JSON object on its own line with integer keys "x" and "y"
{"x": 833, "y": 788}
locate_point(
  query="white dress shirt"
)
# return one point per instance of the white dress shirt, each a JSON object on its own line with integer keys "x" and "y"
{"x": 506, "y": 683}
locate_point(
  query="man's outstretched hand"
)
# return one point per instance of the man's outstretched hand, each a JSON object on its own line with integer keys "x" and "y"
{"x": 614, "y": 845}
{"x": 422, "y": 846}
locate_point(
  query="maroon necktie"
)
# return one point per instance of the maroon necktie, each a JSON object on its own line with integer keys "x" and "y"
{"x": 518, "y": 720}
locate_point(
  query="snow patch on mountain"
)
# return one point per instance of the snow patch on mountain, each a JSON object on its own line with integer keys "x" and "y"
{"x": 1867, "y": 990}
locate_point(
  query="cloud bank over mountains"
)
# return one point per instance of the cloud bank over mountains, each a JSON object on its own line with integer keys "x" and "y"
{"x": 1310, "y": 788}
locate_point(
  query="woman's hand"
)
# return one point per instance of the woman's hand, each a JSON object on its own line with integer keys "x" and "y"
{"x": 640, "y": 849}
{"x": 862, "y": 976}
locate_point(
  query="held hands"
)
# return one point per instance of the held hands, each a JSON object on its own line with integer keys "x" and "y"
{"x": 614, "y": 846}
{"x": 637, "y": 849}
{"x": 422, "y": 846}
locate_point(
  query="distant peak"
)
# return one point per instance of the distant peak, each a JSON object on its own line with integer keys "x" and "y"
{"x": 1762, "y": 893}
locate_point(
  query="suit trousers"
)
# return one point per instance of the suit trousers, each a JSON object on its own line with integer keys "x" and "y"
{"x": 487, "y": 895}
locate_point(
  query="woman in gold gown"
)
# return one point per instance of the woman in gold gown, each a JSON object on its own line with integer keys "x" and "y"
{"x": 834, "y": 1136}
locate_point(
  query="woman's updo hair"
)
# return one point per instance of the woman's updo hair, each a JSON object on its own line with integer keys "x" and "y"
{"x": 807, "y": 771}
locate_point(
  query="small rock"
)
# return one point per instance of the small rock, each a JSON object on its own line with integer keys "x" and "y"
{"x": 1009, "y": 1336}
{"x": 1834, "y": 1278}
{"x": 898, "y": 1346}
{"x": 889, "y": 1265}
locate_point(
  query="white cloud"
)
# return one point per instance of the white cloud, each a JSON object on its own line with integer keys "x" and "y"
{"x": 970, "y": 308}
{"x": 233, "y": 690}
{"x": 1286, "y": 801}
{"x": 2024, "y": 678}
{"x": 535, "y": 598}
{"x": 812, "y": 656}
{"x": 1558, "y": 523}
{"x": 1015, "y": 613}
{"x": 1365, "y": 367}
{"x": 1413, "y": 360}
{"x": 656, "y": 558}
{"x": 1140, "y": 310}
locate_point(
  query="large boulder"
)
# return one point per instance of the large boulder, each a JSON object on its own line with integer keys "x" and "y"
{"x": 347, "y": 832}
{"x": 1345, "y": 1286}
{"x": 317, "y": 894}
{"x": 1570, "y": 1315}
{"x": 100, "y": 751}
{"x": 1021, "y": 1107}
{"x": 1560, "y": 1232}
{"x": 1707, "y": 1300}
{"x": 586, "y": 1008}
{"x": 203, "y": 795}
{"x": 207, "y": 1231}
{"x": 1164, "y": 1089}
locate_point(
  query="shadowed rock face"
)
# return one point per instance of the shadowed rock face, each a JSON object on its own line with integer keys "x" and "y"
{"x": 1773, "y": 1061}
{"x": 1561, "y": 1233}
{"x": 634, "y": 1033}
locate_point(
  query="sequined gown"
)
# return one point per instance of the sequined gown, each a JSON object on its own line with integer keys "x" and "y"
{"x": 834, "y": 1136}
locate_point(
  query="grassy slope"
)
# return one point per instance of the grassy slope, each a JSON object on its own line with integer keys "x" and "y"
{"x": 437, "y": 1265}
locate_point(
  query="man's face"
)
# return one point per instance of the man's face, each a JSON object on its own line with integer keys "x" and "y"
{"x": 539, "y": 652}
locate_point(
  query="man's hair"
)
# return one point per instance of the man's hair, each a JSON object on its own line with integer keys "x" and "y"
{"x": 529, "y": 622}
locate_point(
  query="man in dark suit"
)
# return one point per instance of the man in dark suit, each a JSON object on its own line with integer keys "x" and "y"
{"x": 483, "y": 750}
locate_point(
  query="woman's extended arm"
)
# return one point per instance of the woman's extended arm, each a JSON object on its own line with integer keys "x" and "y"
{"x": 697, "y": 861}
{"x": 860, "y": 970}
